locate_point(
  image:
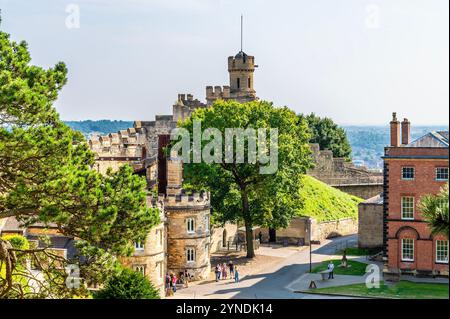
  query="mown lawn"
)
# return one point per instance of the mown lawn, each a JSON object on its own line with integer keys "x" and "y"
{"x": 356, "y": 268}
{"x": 400, "y": 290}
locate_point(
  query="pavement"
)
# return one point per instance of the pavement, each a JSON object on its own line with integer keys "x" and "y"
{"x": 274, "y": 281}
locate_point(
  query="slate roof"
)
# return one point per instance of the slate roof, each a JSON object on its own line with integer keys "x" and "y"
{"x": 431, "y": 139}
{"x": 11, "y": 224}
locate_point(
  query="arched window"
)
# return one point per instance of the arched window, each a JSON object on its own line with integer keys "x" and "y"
{"x": 238, "y": 83}
{"x": 249, "y": 83}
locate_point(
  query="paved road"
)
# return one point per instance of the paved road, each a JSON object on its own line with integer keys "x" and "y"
{"x": 269, "y": 283}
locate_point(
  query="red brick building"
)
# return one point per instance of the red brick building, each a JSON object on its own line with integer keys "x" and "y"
{"x": 412, "y": 170}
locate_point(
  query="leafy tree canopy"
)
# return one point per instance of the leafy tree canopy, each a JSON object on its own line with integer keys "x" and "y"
{"x": 239, "y": 191}
{"x": 328, "y": 135}
{"x": 46, "y": 170}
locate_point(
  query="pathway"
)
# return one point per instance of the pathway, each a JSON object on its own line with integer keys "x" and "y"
{"x": 270, "y": 282}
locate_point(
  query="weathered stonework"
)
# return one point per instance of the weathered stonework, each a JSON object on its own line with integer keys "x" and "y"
{"x": 370, "y": 223}
{"x": 297, "y": 231}
{"x": 223, "y": 236}
{"x": 336, "y": 172}
{"x": 178, "y": 212}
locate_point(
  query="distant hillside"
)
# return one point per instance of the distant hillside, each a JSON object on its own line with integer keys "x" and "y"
{"x": 89, "y": 127}
{"x": 324, "y": 203}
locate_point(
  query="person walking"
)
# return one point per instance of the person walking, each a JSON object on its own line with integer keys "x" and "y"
{"x": 217, "y": 271}
{"x": 186, "y": 278}
{"x": 170, "y": 292}
{"x": 331, "y": 269}
{"x": 236, "y": 274}
{"x": 224, "y": 271}
{"x": 168, "y": 284}
{"x": 174, "y": 283}
{"x": 231, "y": 268}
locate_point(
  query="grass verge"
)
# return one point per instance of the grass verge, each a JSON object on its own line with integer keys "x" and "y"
{"x": 400, "y": 290}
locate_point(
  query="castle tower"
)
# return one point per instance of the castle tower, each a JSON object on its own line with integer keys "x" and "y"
{"x": 241, "y": 68}
{"x": 188, "y": 225}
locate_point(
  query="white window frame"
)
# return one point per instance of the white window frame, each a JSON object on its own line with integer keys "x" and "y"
{"x": 413, "y": 173}
{"x": 403, "y": 245}
{"x": 437, "y": 260}
{"x": 441, "y": 179}
{"x": 139, "y": 246}
{"x": 140, "y": 269}
{"x": 188, "y": 224}
{"x": 413, "y": 207}
{"x": 190, "y": 252}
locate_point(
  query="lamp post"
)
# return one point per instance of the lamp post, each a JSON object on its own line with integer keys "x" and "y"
{"x": 310, "y": 245}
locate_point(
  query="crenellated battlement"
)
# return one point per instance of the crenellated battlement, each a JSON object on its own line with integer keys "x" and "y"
{"x": 185, "y": 200}
{"x": 217, "y": 92}
{"x": 184, "y": 106}
{"x": 124, "y": 143}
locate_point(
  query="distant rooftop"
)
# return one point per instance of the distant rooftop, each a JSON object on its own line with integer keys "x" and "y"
{"x": 431, "y": 139}
{"x": 376, "y": 200}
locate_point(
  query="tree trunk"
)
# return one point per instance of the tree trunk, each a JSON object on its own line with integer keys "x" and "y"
{"x": 249, "y": 239}
{"x": 7, "y": 258}
{"x": 248, "y": 224}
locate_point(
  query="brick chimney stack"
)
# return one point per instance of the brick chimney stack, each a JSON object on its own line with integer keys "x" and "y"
{"x": 395, "y": 131}
{"x": 406, "y": 132}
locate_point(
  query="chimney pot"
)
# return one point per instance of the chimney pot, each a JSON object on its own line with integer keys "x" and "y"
{"x": 406, "y": 132}
{"x": 395, "y": 131}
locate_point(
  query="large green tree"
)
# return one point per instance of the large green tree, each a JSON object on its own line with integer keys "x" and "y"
{"x": 46, "y": 170}
{"x": 434, "y": 209}
{"x": 328, "y": 135}
{"x": 242, "y": 191}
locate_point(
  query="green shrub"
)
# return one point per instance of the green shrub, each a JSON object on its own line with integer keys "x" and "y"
{"x": 127, "y": 284}
{"x": 17, "y": 241}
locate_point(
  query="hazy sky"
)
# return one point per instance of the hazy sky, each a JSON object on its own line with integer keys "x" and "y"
{"x": 353, "y": 60}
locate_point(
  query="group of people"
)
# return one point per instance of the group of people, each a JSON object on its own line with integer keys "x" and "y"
{"x": 172, "y": 280}
{"x": 223, "y": 270}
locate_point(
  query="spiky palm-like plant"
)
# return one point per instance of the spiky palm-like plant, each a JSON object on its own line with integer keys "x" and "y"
{"x": 434, "y": 210}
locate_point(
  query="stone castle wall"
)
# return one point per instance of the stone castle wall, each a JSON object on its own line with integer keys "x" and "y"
{"x": 330, "y": 229}
{"x": 336, "y": 172}
{"x": 297, "y": 231}
{"x": 370, "y": 224}
{"x": 229, "y": 231}
{"x": 152, "y": 257}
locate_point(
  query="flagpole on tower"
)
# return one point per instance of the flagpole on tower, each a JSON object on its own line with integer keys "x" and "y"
{"x": 242, "y": 17}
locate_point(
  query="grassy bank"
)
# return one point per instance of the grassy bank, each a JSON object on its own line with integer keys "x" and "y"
{"x": 325, "y": 203}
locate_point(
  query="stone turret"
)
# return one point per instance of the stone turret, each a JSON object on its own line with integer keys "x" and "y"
{"x": 188, "y": 229}
{"x": 241, "y": 68}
